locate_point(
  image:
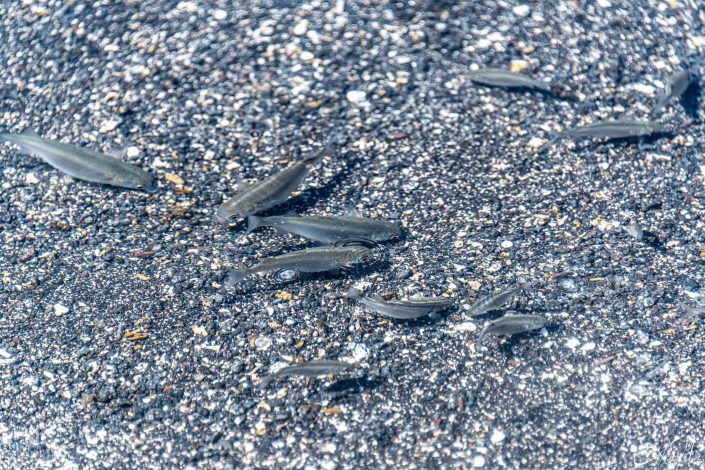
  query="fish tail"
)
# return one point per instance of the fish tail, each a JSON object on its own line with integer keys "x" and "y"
{"x": 253, "y": 223}
{"x": 235, "y": 276}
{"x": 552, "y": 141}
{"x": 659, "y": 103}
{"x": 17, "y": 140}
{"x": 479, "y": 346}
{"x": 325, "y": 151}
{"x": 354, "y": 294}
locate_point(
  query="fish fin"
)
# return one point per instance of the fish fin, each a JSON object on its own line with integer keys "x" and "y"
{"x": 253, "y": 222}
{"x": 240, "y": 184}
{"x": 235, "y": 276}
{"x": 352, "y": 211}
{"x": 28, "y": 131}
{"x": 118, "y": 152}
{"x": 354, "y": 294}
{"x": 660, "y": 102}
{"x": 325, "y": 151}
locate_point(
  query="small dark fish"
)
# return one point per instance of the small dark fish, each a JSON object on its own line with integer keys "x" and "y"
{"x": 507, "y": 79}
{"x": 493, "y": 301}
{"x": 272, "y": 190}
{"x": 611, "y": 130}
{"x": 616, "y": 129}
{"x": 328, "y": 229}
{"x": 401, "y": 309}
{"x": 310, "y": 260}
{"x": 677, "y": 84}
{"x": 81, "y": 163}
{"x": 308, "y": 369}
{"x": 512, "y": 324}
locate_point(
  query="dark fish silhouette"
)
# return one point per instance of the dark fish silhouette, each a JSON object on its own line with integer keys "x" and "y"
{"x": 329, "y": 229}
{"x": 506, "y": 79}
{"x": 512, "y": 324}
{"x": 81, "y": 163}
{"x": 310, "y": 260}
{"x": 272, "y": 190}
{"x": 308, "y": 369}
{"x": 401, "y": 309}
{"x": 610, "y": 130}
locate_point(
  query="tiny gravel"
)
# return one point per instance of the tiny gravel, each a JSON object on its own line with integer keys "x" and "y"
{"x": 121, "y": 348}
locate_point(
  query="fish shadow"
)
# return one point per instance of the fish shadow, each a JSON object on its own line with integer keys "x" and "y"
{"x": 274, "y": 283}
{"x": 310, "y": 196}
{"x": 353, "y": 385}
{"x": 382, "y": 264}
{"x": 271, "y": 283}
{"x": 645, "y": 140}
{"x": 303, "y": 201}
{"x": 289, "y": 249}
{"x": 650, "y": 239}
{"x": 525, "y": 90}
{"x": 426, "y": 320}
{"x": 507, "y": 347}
{"x": 690, "y": 99}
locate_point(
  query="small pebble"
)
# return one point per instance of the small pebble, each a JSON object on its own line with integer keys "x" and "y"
{"x": 497, "y": 436}
{"x": 31, "y": 178}
{"x": 535, "y": 143}
{"x": 219, "y": 14}
{"x": 301, "y": 28}
{"x": 466, "y": 326}
{"x": 521, "y": 10}
{"x": 356, "y": 96}
{"x": 60, "y": 310}
{"x": 263, "y": 343}
{"x": 27, "y": 254}
{"x": 518, "y": 65}
{"x": 567, "y": 284}
{"x": 109, "y": 126}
